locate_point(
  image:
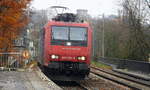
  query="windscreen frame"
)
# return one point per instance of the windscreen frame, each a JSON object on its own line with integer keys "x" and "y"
{"x": 84, "y": 42}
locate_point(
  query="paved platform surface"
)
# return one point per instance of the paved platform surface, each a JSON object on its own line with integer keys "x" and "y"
{"x": 13, "y": 80}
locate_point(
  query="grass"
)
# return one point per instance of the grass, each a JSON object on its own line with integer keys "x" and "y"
{"x": 100, "y": 65}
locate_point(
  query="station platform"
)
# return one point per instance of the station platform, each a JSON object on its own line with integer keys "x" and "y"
{"x": 26, "y": 80}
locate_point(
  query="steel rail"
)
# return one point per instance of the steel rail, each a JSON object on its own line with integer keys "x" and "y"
{"x": 121, "y": 79}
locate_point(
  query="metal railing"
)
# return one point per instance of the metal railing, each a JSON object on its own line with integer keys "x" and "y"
{"x": 133, "y": 65}
{"x": 11, "y": 60}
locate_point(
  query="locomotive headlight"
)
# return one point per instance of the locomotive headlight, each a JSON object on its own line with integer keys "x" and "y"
{"x": 81, "y": 58}
{"x": 54, "y": 56}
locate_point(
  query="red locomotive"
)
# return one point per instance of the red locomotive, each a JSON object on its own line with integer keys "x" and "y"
{"x": 66, "y": 48}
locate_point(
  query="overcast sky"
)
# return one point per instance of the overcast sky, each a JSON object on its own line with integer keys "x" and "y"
{"x": 94, "y": 7}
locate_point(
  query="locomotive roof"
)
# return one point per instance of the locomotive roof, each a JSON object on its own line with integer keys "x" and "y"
{"x": 61, "y": 23}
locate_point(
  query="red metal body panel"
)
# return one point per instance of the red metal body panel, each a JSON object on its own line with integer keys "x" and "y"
{"x": 66, "y": 53}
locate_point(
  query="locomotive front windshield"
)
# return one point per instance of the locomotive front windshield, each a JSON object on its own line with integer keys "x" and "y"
{"x": 76, "y": 35}
{"x": 60, "y": 33}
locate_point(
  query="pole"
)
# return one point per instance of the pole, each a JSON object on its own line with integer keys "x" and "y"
{"x": 103, "y": 38}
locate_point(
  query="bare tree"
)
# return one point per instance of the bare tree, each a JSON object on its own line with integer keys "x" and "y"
{"x": 148, "y": 3}
{"x": 135, "y": 16}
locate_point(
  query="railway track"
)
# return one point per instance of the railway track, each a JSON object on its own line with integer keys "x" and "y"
{"x": 92, "y": 82}
{"x": 126, "y": 80}
{"x": 71, "y": 85}
{"x": 67, "y": 85}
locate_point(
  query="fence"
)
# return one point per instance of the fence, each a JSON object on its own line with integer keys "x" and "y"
{"x": 11, "y": 60}
{"x": 138, "y": 66}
